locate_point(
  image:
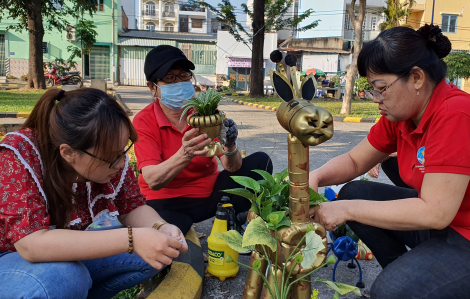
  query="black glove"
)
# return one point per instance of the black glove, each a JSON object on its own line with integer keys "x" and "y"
{"x": 231, "y": 133}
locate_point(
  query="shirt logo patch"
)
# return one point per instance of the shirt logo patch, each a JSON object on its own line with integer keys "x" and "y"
{"x": 420, "y": 155}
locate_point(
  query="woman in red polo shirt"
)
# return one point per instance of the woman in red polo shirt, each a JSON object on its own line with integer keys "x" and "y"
{"x": 177, "y": 180}
{"x": 427, "y": 122}
{"x": 65, "y": 189}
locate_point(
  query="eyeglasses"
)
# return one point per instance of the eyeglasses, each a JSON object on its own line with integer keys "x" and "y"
{"x": 378, "y": 94}
{"x": 170, "y": 78}
{"x": 115, "y": 161}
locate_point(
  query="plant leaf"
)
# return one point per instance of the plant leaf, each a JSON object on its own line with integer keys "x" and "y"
{"x": 241, "y": 192}
{"x": 257, "y": 233}
{"x": 316, "y": 198}
{"x": 234, "y": 240}
{"x": 259, "y": 199}
{"x": 284, "y": 222}
{"x": 278, "y": 189}
{"x": 313, "y": 244}
{"x": 341, "y": 288}
{"x": 279, "y": 177}
{"x": 266, "y": 211}
{"x": 267, "y": 185}
{"x": 266, "y": 175}
{"x": 247, "y": 182}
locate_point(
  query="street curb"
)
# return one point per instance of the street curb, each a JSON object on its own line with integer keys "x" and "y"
{"x": 185, "y": 279}
{"x": 12, "y": 85}
{"x": 14, "y": 114}
{"x": 346, "y": 119}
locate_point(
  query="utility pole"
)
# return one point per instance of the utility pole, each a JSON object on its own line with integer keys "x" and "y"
{"x": 112, "y": 45}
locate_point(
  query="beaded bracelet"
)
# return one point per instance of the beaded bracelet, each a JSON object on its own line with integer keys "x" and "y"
{"x": 131, "y": 240}
{"x": 232, "y": 153}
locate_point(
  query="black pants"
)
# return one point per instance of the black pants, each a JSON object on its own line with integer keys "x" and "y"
{"x": 390, "y": 168}
{"x": 184, "y": 211}
{"x": 438, "y": 264}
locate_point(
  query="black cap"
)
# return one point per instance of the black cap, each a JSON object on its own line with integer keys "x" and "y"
{"x": 161, "y": 58}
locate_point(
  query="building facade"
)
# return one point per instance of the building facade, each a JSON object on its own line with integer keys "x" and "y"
{"x": 100, "y": 64}
{"x": 135, "y": 44}
{"x": 173, "y": 16}
{"x": 234, "y": 59}
{"x": 335, "y": 22}
{"x": 454, "y": 19}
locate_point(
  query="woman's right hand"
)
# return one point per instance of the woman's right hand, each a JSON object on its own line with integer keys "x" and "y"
{"x": 193, "y": 144}
{"x": 156, "y": 248}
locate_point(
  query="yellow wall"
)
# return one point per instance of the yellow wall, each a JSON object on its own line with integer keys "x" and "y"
{"x": 460, "y": 40}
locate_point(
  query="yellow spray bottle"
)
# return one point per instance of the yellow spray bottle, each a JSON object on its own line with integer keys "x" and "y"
{"x": 218, "y": 249}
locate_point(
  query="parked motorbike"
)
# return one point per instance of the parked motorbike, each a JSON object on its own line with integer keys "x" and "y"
{"x": 67, "y": 78}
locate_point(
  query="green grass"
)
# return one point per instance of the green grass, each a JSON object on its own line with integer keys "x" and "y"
{"x": 359, "y": 108}
{"x": 19, "y": 100}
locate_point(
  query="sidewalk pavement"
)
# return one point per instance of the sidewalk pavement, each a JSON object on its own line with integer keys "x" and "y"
{"x": 259, "y": 130}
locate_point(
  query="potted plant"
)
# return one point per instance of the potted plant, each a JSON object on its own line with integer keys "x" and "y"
{"x": 268, "y": 220}
{"x": 206, "y": 117}
{"x": 361, "y": 85}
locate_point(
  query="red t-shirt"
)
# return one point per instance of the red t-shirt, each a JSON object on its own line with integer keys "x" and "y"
{"x": 158, "y": 141}
{"x": 442, "y": 136}
{"x": 23, "y": 203}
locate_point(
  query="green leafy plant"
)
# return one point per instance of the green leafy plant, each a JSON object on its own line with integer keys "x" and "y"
{"x": 270, "y": 200}
{"x": 270, "y": 194}
{"x": 362, "y": 84}
{"x": 24, "y": 78}
{"x": 204, "y": 104}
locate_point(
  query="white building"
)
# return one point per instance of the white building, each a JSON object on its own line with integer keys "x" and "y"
{"x": 281, "y": 34}
{"x": 171, "y": 16}
{"x": 234, "y": 59}
{"x": 334, "y": 19}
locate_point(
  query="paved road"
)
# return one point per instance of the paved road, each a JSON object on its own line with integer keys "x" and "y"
{"x": 259, "y": 130}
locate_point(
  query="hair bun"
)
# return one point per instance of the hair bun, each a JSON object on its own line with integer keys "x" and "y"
{"x": 438, "y": 41}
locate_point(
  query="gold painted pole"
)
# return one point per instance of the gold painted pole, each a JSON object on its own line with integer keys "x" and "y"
{"x": 254, "y": 282}
{"x": 299, "y": 197}
{"x": 266, "y": 294}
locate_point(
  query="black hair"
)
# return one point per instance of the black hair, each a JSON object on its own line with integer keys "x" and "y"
{"x": 398, "y": 50}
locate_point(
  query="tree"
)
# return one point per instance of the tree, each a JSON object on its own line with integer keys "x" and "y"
{"x": 267, "y": 16}
{"x": 395, "y": 12}
{"x": 357, "y": 22}
{"x": 36, "y": 16}
{"x": 458, "y": 65}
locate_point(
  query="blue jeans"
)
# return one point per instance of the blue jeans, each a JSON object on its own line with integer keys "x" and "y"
{"x": 436, "y": 267}
{"x": 98, "y": 278}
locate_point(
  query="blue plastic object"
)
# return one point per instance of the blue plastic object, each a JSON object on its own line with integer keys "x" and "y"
{"x": 345, "y": 249}
{"x": 330, "y": 194}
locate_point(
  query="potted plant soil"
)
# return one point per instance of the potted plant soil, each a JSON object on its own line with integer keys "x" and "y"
{"x": 206, "y": 117}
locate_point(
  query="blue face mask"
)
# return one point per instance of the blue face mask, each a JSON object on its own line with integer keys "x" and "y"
{"x": 175, "y": 95}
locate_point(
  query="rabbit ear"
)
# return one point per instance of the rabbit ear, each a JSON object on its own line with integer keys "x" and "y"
{"x": 282, "y": 86}
{"x": 308, "y": 87}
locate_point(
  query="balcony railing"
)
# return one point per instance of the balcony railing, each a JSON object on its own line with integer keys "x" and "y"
{"x": 149, "y": 12}
{"x": 168, "y": 13}
{"x": 190, "y": 7}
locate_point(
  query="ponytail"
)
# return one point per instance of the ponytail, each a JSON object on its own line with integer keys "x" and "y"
{"x": 82, "y": 119}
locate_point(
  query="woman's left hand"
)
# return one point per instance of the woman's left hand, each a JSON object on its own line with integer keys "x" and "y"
{"x": 173, "y": 231}
{"x": 231, "y": 133}
{"x": 329, "y": 214}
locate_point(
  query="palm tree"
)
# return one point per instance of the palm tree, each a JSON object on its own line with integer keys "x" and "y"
{"x": 394, "y": 12}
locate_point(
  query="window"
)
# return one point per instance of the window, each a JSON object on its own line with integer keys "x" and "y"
{"x": 44, "y": 48}
{"x": 347, "y": 22}
{"x": 449, "y": 23}
{"x": 100, "y": 5}
{"x": 373, "y": 23}
{"x": 149, "y": 8}
{"x": 169, "y": 7}
{"x": 196, "y": 23}
{"x": 150, "y": 26}
{"x": 169, "y": 27}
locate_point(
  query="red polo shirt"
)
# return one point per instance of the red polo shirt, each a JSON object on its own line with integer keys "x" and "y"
{"x": 158, "y": 141}
{"x": 440, "y": 144}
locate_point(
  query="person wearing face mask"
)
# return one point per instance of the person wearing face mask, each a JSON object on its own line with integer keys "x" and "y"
{"x": 177, "y": 180}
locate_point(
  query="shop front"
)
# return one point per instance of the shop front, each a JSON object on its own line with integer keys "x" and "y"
{"x": 239, "y": 70}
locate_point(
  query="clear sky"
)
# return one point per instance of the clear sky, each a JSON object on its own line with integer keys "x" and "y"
{"x": 241, "y": 17}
